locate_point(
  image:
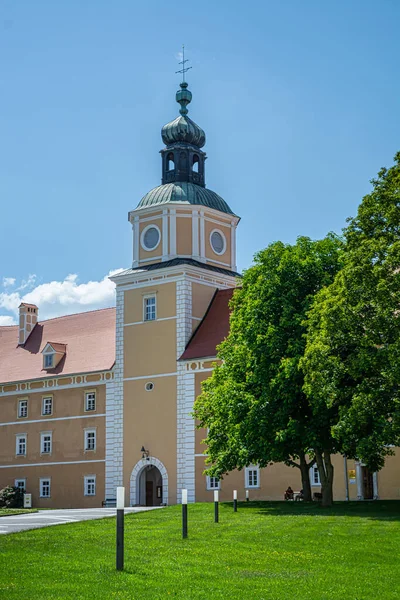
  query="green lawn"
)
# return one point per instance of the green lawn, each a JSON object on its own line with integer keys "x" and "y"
{"x": 5, "y": 512}
{"x": 269, "y": 551}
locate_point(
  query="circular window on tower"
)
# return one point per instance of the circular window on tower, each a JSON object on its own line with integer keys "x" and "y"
{"x": 149, "y": 387}
{"x": 218, "y": 241}
{"x": 150, "y": 237}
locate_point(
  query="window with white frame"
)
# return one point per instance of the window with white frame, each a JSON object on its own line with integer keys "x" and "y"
{"x": 22, "y": 408}
{"x": 90, "y": 401}
{"x": 252, "y": 475}
{"x": 20, "y": 448}
{"x": 48, "y": 361}
{"x": 149, "y": 308}
{"x": 314, "y": 476}
{"x": 213, "y": 483}
{"x": 20, "y": 484}
{"x": 47, "y": 405}
{"x": 45, "y": 442}
{"x": 90, "y": 439}
{"x": 45, "y": 488}
{"x": 90, "y": 485}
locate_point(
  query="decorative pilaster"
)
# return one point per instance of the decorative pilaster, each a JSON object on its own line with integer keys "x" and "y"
{"x": 185, "y": 394}
{"x": 115, "y": 409}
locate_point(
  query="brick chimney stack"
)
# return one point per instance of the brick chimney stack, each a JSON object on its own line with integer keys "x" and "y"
{"x": 28, "y": 316}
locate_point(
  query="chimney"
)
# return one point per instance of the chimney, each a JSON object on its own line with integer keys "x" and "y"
{"x": 28, "y": 316}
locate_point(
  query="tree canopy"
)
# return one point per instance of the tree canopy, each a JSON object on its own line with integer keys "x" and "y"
{"x": 254, "y": 406}
{"x": 352, "y": 358}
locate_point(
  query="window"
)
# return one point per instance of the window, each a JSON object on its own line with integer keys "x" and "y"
{"x": 45, "y": 488}
{"x": 47, "y": 405}
{"x": 20, "y": 449}
{"x": 195, "y": 166}
{"x": 90, "y": 439}
{"x": 149, "y": 387}
{"x": 150, "y": 237}
{"x": 48, "y": 361}
{"x": 45, "y": 442}
{"x": 252, "y": 477}
{"x": 150, "y": 308}
{"x": 90, "y": 401}
{"x": 170, "y": 162}
{"x": 213, "y": 483}
{"x": 22, "y": 409}
{"x": 314, "y": 476}
{"x": 90, "y": 485}
{"x": 21, "y": 484}
{"x": 218, "y": 241}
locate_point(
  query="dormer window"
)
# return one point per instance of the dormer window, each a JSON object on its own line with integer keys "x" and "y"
{"x": 48, "y": 361}
{"x": 53, "y": 353}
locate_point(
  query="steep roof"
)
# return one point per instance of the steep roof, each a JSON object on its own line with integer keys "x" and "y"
{"x": 212, "y": 330}
{"x": 90, "y": 346}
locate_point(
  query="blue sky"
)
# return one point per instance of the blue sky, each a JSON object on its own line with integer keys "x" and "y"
{"x": 299, "y": 101}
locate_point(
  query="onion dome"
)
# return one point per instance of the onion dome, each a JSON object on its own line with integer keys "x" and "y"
{"x": 185, "y": 193}
{"x": 183, "y": 129}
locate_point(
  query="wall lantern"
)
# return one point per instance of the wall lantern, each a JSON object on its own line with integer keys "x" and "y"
{"x": 145, "y": 453}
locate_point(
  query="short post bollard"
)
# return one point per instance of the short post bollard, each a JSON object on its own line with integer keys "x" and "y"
{"x": 184, "y": 514}
{"x": 120, "y": 527}
{"x": 234, "y": 500}
{"x": 247, "y": 496}
{"x": 216, "y": 515}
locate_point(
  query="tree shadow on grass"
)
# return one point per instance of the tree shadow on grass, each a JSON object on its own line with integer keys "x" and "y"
{"x": 385, "y": 510}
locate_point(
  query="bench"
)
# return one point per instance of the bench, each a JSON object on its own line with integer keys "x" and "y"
{"x": 109, "y": 503}
{"x": 317, "y": 496}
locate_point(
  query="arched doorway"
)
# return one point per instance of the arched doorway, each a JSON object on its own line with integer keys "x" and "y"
{"x": 149, "y": 483}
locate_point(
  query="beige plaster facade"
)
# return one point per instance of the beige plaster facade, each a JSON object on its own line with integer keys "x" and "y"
{"x": 68, "y": 459}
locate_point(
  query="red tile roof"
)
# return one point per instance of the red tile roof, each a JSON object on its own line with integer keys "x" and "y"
{"x": 212, "y": 330}
{"x": 89, "y": 337}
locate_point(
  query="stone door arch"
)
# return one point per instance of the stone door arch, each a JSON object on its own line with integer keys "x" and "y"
{"x": 135, "y": 475}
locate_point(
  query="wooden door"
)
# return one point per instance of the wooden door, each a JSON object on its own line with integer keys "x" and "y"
{"x": 149, "y": 493}
{"x": 368, "y": 484}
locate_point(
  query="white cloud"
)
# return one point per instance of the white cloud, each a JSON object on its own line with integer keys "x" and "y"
{"x": 7, "y": 320}
{"x": 58, "y": 298}
{"x": 9, "y": 281}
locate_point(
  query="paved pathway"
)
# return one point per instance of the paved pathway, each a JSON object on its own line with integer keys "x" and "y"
{"x": 45, "y": 518}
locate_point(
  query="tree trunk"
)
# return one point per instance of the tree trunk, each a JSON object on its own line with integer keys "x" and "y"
{"x": 305, "y": 479}
{"x": 325, "y": 469}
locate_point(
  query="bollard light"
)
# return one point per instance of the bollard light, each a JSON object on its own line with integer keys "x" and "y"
{"x": 120, "y": 527}
{"x": 120, "y": 497}
{"x": 247, "y": 496}
{"x": 184, "y": 514}
{"x": 216, "y": 498}
{"x": 234, "y": 500}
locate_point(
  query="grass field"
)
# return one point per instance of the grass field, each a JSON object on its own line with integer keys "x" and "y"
{"x": 5, "y": 512}
{"x": 268, "y": 551}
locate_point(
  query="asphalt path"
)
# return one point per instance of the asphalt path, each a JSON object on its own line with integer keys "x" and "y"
{"x": 46, "y": 518}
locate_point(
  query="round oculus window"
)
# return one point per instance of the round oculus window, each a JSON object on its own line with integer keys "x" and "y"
{"x": 218, "y": 242}
{"x": 150, "y": 237}
{"x": 149, "y": 387}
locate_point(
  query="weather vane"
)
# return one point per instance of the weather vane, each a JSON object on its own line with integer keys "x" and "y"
{"x": 183, "y": 62}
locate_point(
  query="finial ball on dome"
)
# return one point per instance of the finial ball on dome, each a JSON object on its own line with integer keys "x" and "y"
{"x": 183, "y": 97}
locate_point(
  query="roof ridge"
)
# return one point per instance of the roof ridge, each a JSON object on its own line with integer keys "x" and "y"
{"x": 84, "y": 312}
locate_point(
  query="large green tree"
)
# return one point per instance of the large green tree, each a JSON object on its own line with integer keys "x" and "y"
{"x": 352, "y": 359}
{"x": 254, "y": 406}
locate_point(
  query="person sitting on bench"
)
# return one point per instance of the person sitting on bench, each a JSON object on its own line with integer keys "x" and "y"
{"x": 288, "y": 494}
